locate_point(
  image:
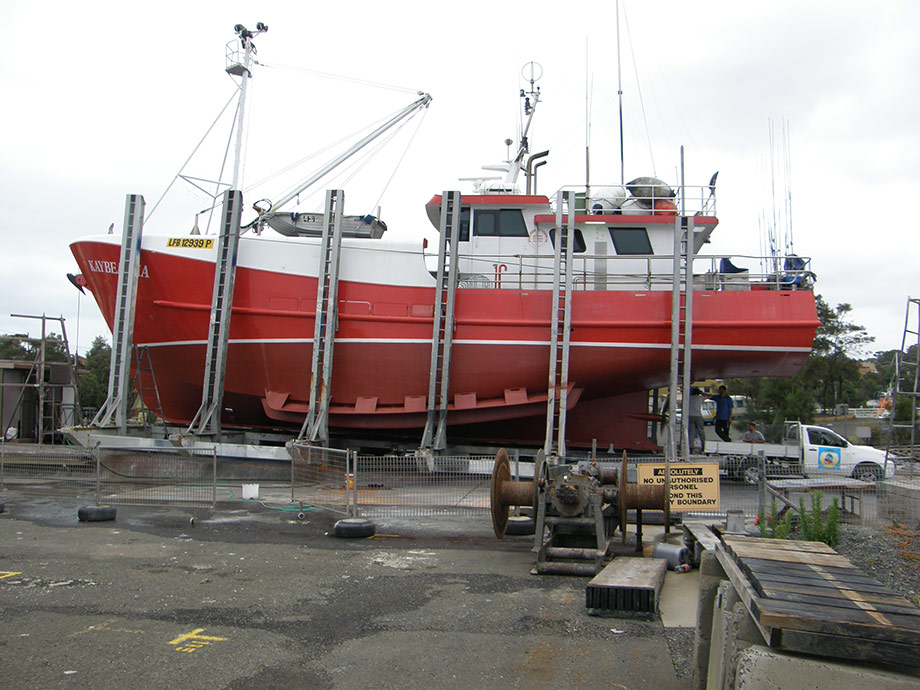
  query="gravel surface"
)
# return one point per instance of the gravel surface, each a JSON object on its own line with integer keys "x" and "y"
{"x": 889, "y": 554}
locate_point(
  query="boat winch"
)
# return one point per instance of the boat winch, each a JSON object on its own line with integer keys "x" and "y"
{"x": 577, "y": 509}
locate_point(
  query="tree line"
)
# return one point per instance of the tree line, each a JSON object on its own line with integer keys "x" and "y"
{"x": 837, "y": 372}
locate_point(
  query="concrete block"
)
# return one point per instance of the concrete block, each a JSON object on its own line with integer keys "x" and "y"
{"x": 726, "y": 598}
{"x": 711, "y": 576}
{"x": 761, "y": 668}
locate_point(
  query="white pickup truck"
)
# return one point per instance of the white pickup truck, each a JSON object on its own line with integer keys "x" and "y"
{"x": 813, "y": 450}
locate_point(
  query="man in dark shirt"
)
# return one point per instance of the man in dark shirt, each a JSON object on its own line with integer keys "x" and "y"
{"x": 724, "y": 407}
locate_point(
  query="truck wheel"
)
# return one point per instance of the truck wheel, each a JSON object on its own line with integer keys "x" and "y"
{"x": 868, "y": 472}
{"x": 749, "y": 472}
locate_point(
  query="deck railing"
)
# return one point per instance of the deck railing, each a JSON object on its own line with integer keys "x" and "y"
{"x": 638, "y": 272}
{"x": 699, "y": 199}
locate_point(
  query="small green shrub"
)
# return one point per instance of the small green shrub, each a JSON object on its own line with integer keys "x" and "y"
{"x": 814, "y": 526}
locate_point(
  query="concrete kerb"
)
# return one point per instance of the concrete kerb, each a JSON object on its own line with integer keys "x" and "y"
{"x": 760, "y": 668}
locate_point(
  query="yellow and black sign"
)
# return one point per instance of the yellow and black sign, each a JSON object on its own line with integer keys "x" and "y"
{"x": 693, "y": 486}
{"x": 190, "y": 242}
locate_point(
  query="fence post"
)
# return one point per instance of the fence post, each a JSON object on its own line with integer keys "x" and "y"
{"x": 214, "y": 476}
{"x": 293, "y": 453}
{"x": 353, "y": 456}
{"x": 762, "y": 493}
{"x": 97, "y": 453}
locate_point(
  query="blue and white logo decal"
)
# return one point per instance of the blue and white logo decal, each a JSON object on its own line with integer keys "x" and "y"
{"x": 828, "y": 458}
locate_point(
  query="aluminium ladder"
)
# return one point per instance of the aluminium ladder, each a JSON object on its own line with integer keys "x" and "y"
{"x": 560, "y": 331}
{"x": 316, "y": 425}
{"x": 681, "y": 329}
{"x": 114, "y": 409}
{"x": 143, "y": 366}
{"x": 442, "y": 336}
{"x": 907, "y": 377}
{"x": 207, "y": 419}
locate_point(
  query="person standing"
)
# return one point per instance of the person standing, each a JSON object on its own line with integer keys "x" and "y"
{"x": 696, "y": 419}
{"x": 724, "y": 413}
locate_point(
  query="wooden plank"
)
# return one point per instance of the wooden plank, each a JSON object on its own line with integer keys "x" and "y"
{"x": 702, "y": 534}
{"x": 833, "y": 619}
{"x": 850, "y": 573}
{"x": 835, "y": 560}
{"x": 804, "y": 597}
{"x": 825, "y": 589}
{"x": 766, "y": 582}
{"x": 855, "y": 601}
{"x": 852, "y": 648}
{"x": 782, "y": 544}
{"x": 814, "y": 580}
{"x": 744, "y": 590}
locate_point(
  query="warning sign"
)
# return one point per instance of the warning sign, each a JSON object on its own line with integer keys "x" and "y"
{"x": 693, "y": 486}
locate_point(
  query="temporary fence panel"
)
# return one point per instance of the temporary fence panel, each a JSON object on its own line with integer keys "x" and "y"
{"x": 322, "y": 477}
{"x": 58, "y": 471}
{"x": 187, "y": 477}
{"x": 423, "y": 485}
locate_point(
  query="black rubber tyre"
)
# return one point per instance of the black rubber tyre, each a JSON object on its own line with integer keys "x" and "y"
{"x": 351, "y": 528}
{"x": 868, "y": 472}
{"x": 519, "y": 525}
{"x": 96, "y": 513}
{"x": 2, "y": 508}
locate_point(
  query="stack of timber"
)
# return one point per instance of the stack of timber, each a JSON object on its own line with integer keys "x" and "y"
{"x": 805, "y": 597}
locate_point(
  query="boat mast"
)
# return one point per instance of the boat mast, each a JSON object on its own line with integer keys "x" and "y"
{"x": 531, "y": 98}
{"x": 242, "y": 70}
{"x": 620, "y": 95}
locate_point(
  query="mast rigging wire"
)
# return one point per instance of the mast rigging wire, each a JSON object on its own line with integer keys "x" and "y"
{"x": 339, "y": 77}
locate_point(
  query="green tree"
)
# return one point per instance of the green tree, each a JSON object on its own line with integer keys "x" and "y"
{"x": 23, "y": 348}
{"x": 93, "y": 379}
{"x": 830, "y": 376}
{"x": 832, "y": 362}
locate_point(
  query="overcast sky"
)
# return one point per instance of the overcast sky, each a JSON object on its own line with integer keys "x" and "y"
{"x": 106, "y": 99}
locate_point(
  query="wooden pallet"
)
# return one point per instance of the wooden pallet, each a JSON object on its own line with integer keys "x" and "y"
{"x": 805, "y": 597}
{"x": 627, "y": 588}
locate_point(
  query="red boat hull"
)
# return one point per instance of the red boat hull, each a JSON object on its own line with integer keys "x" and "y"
{"x": 500, "y": 357}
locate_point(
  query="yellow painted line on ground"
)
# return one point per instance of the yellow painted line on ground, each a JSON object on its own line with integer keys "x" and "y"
{"x": 5, "y": 574}
{"x": 193, "y": 641}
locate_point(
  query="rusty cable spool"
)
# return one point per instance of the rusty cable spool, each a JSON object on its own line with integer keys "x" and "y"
{"x": 506, "y": 493}
{"x": 636, "y": 497}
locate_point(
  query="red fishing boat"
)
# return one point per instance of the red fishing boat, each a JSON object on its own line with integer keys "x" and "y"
{"x": 744, "y": 322}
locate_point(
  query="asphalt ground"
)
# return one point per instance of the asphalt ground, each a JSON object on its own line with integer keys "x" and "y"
{"x": 249, "y": 597}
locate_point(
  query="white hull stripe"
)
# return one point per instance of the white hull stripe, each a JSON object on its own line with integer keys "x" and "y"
{"x": 502, "y": 343}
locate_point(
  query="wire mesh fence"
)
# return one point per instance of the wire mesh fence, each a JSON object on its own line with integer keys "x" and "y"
{"x": 186, "y": 477}
{"x": 423, "y": 485}
{"x": 431, "y": 486}
{"x": 54, "y": 471}
{"x": 323, "y": 478}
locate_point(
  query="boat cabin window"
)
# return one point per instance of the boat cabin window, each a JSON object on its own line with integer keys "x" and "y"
{"x": 630, "y": 240}
{"x": 579, "y": 247}
{"x": 506, "y": 222}
{"x": 465, "y": 224}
